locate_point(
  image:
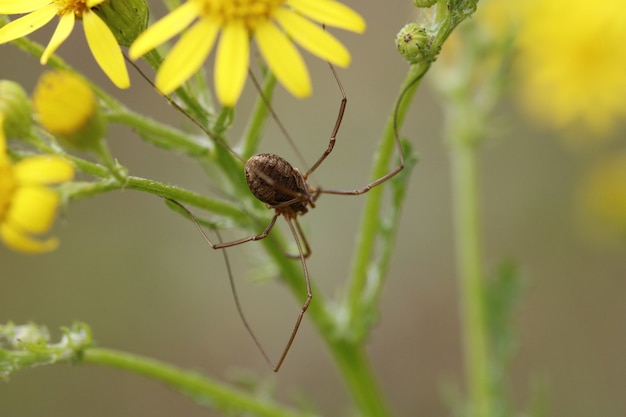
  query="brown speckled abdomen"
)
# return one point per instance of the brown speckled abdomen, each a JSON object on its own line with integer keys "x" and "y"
{"x": 274, "y": 181}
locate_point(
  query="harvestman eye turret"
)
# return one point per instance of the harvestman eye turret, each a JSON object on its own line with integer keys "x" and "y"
{"x": 283, "y": 188}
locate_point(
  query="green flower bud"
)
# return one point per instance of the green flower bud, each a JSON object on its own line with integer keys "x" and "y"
{"x": 15, "y": 106}
{"x": 424, "y": 3}
{"x": 126, "y": 18}
{"x": 67, "y": 107}
{"x": 413, "y": 43}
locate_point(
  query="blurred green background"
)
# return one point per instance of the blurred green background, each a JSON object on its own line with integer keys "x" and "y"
{"x": 144, "y": 280}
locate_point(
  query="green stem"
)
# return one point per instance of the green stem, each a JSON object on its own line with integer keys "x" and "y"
{"x": 200, "y": 388}
{"x": 78, "y": 190}
{"x": 358, "y": 375}
{"x": 470, "y": 275}
{"x": 349, "y": 352}
{"x": 104, "y": 154}
{"x": 370, "y": 221}
{"x": 159, "y": 134}
{"x": 254, "y": 129}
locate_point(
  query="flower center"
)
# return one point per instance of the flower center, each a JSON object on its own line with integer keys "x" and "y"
{"x": 250, "y": 12}
{"x": 78, "y": 7}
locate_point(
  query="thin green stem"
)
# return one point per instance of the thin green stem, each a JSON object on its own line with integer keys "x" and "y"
{"x": 80, "y": 190}
{"x": 254, "y": 129}
{"x": 349, "y": 352}
{"x": 198, "y": 387}
{"x": 104, "y": 154}
{"x": 161, "y": 135}
{"x": 471, "y": 276}
{"x": 370, "y": 221}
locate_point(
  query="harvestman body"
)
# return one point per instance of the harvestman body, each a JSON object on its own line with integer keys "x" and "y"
{"x": 284, "y": 188}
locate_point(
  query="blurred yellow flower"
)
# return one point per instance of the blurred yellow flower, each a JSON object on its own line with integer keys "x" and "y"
{"x": 64, "y": 103}
{"x": 27, "y": 206}
{"x": 100, "y": 39}
{"x": 572, "y": 63}
{"x": 66, "y": 106}
{"x": 274, "y": 24}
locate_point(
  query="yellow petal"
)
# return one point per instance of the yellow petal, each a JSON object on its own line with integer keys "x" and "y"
{"x": 63, "y": 30}
{"x": 93, "y": 3}
{"x": 330, "y": 13}
{"x": 27, "y": 24}
{"x": 166, "y": 28}
{"x": 187, "y": 55}
{"x": 43, "y": 169}
{"x": 22, "y": 6}
{"x": 105, "y": 49}
{"x": 22, "y": 242}
{"x": 313, "y": 38}
{"x": 283, "y": 59}
{"x": 33, "y": 209}
{"x": 231, "y": 63}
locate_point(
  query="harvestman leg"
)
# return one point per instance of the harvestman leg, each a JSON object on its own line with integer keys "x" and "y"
{"x": 294, "y": 225}
{"x": 331, "y": 145}
{"x": 295, "y": 230}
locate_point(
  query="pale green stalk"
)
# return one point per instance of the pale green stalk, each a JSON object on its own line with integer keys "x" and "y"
{"x": 471, "y": 276}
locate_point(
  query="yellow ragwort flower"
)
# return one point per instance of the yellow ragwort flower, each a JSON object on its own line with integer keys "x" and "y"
{"x": 63, "y": 102}
{"x": 274, "y": 24}
{"x": 27, "y": 206}
{"x": 66, "y": 106}
{"x": 100, "y": 39}
{"x": 572, "y": 62}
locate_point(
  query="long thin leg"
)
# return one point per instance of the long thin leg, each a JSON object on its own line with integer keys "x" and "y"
{"x": 333, "y": 135}
{"x": 221, "y": 245}
{"x": 307, "y": 249}
{"x": 331, "y": 145}
{"x": 309, "y": 294}
{"x": 242, "y": 316}
{"x": 296, "y": 231}
{"x": 371, "y": 185}
{"x": 391, "y": 173}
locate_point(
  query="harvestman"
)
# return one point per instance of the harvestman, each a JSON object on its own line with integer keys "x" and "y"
{"x": 283, "y": 188}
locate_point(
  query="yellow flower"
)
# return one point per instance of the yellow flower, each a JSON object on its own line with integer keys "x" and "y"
{"x": 27, "y": 206}
{"x": 101, "y": 41}
{"x": 66, "y": 106}
{"x": 572, "y": 62}
{"x": 274, "y": 24}
{"x": 63, "y": 102}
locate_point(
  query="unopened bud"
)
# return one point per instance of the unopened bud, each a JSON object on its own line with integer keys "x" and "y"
{"x": 413, "y": 43}
{"x": 15, "y": 107}
{"x": 126, "y": 18}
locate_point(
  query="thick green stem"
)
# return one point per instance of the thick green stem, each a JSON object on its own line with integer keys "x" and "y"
{"x": 470, "y": 275}
{"x": 359, "y": 377}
